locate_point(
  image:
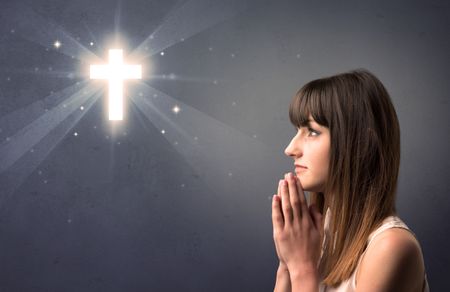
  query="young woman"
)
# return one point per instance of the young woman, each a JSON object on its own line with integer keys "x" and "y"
{"x": 346, "y": 153}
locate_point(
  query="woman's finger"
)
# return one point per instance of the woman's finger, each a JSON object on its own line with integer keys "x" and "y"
{"x": 302, "y": 197}
{"x": 294, "y": 197}
{"x": 285, "y": 203}
{"x": 277, "y": 217}
{"x": 279, "y": 197}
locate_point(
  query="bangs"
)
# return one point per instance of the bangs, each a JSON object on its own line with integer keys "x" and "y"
{"x": 311, "y": 99}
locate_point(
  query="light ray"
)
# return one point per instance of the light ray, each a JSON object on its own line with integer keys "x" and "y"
{"x": 23, "y": 140}
{"x": 13, "y": 178}
{"x": 47, "y": 72}
{"x": 117, "y": 16}
{"x": 213, "y": 149}
{"x": 36, "y": 29}
{"x": 16, "y": 120}
{"x": 187, "y": 20}
{"x": 178, "y": 78}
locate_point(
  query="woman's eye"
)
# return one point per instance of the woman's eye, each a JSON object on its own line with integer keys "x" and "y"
{"x": 313, "y": 132}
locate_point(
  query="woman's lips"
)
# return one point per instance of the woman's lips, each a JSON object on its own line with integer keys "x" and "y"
{"x": 300, "y": 168}
{"x": 298, "y": 165}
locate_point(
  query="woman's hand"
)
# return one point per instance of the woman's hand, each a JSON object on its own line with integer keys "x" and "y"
{"x": 297, "y": 229}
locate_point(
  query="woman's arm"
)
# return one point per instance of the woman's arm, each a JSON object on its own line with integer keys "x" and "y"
{"x": 283, "y": 281}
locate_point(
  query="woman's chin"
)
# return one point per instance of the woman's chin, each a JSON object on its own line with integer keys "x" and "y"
{"x": 311, "y": 188}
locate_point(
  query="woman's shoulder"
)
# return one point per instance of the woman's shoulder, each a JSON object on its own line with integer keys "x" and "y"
{"x": 393, "y": 261}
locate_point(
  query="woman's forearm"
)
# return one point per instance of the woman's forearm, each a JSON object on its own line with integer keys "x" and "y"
{"x": 283, "y": 281}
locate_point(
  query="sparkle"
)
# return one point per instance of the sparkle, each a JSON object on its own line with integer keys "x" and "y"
{"x": 172, "y": 76}
{"x": 57, "y": 44}
{"x": 69, "y": 221}
{"x": 81, "y": 107}
{"x": 162, "y": 53}
{"x": 12, "y": 31}
{"x": 95, "y": 127}
{"x": 163, "y": 131}
{"x": 182, "y": 185}
{"x": 75, "y": 134}
{"x": 176, "y": 109}
{"x": 91, "y": 43}
{"x": 8, "y": 79}
{"x": 45, "y": 181}
{"x": 8, "y": 139}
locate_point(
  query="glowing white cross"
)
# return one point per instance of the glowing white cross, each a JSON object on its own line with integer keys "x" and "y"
{"x": 116, "y": 71}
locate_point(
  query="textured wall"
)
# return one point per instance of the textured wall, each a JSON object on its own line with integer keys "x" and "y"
{"x": 87, "y": 206}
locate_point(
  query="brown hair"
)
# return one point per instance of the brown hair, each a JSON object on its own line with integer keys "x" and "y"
{"x": 364, "y": 162}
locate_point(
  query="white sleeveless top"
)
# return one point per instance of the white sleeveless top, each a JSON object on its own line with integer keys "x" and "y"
{"x": 349, "y": 285}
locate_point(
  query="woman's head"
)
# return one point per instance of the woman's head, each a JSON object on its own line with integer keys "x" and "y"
{"x": 359, "y": 150}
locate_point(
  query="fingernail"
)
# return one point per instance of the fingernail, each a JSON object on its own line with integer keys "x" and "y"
{"x": 291, "y": 175}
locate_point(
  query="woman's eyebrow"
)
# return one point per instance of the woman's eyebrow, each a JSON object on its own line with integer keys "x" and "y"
{"x": 311, "y": 123}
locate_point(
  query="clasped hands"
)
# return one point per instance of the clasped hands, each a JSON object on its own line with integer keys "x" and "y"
{"x": 297, "y": 229}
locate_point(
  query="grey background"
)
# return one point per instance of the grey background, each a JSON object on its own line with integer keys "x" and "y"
{"x": 96, "y": 215}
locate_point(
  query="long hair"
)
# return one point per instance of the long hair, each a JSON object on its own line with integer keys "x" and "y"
{"x": 364, "y": 162}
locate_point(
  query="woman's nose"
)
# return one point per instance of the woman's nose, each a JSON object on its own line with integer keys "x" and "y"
{"x": 292, "y": 149}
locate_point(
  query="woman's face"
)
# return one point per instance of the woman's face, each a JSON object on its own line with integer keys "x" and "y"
{"x": 310, "y": 149}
